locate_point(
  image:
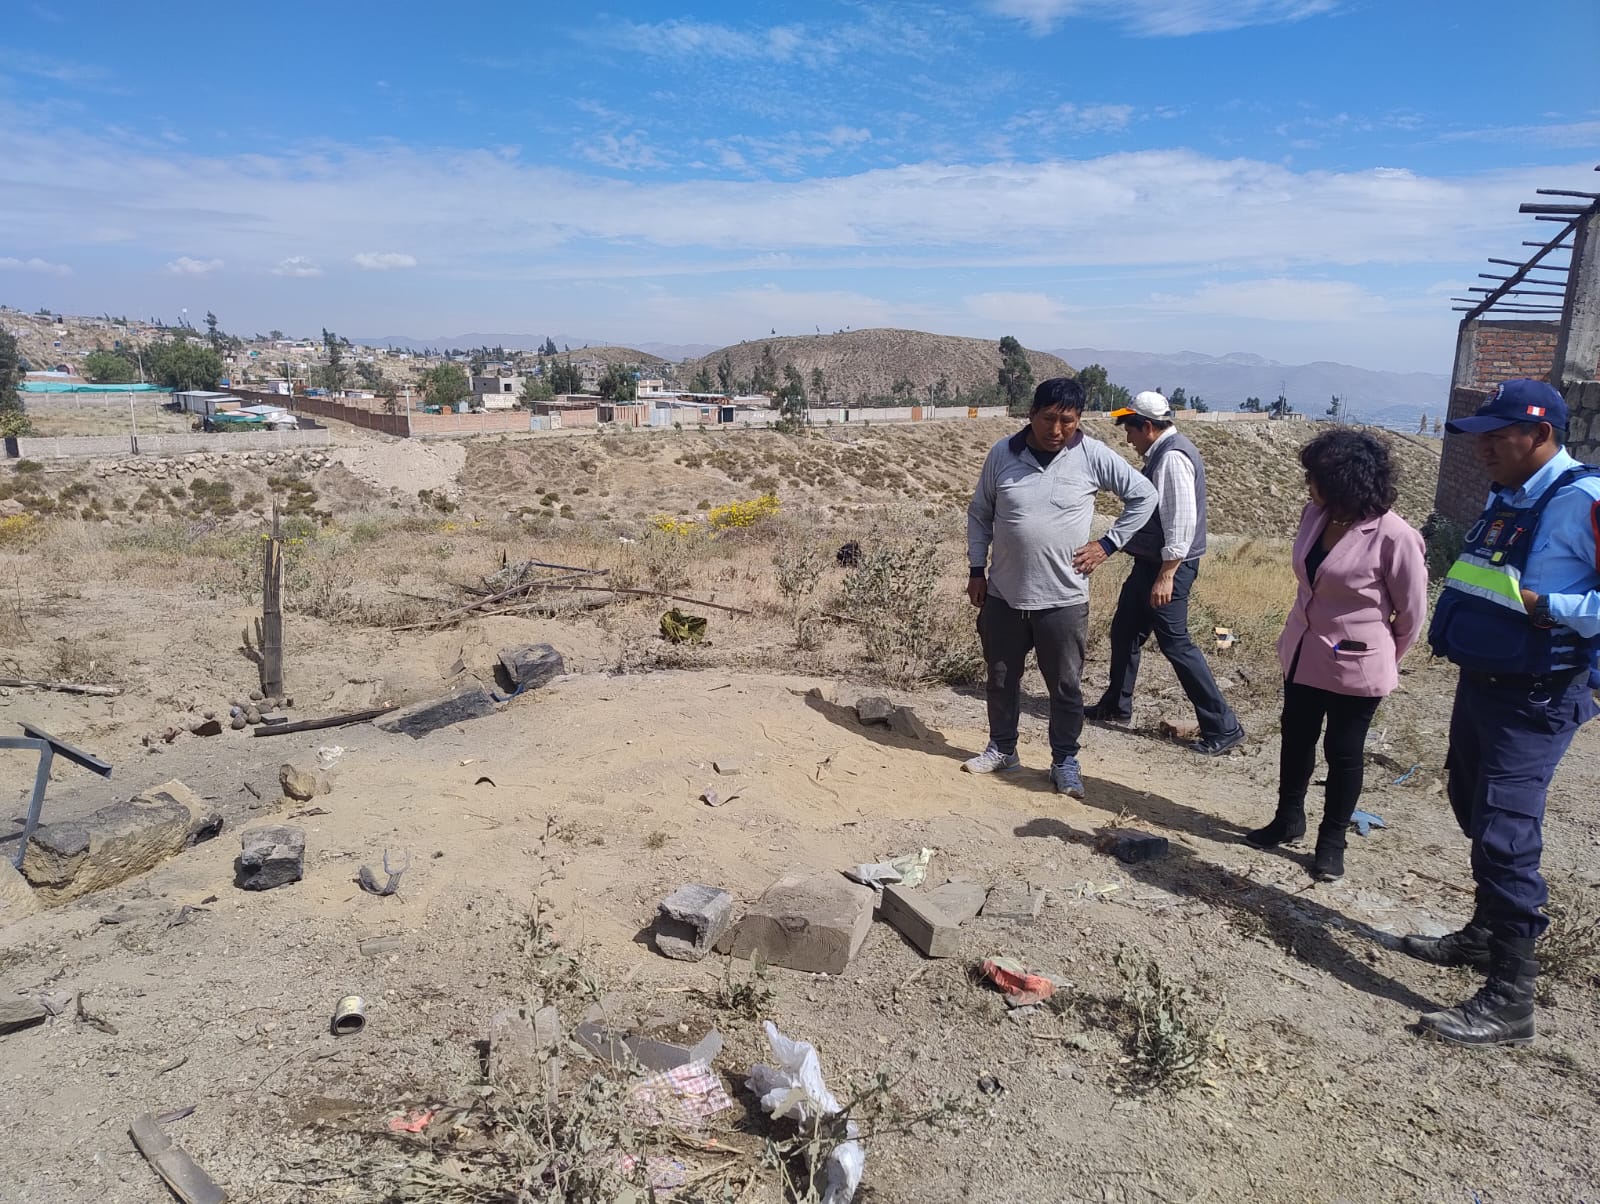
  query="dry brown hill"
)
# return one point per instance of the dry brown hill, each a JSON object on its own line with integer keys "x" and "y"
{"x": 628, "y": 356}
{"x": 861, "y": 364}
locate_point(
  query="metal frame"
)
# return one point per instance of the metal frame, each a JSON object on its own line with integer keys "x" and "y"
{"x": 47, "y": 746}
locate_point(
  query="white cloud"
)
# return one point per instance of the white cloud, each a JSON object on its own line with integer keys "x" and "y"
{"x": 34, "y": 264}
{"x": 380, "y": 261}
{"x": 1030, "y": 309}
{"x": 296, "y": 265}
{"x": 622, "y": 152}
{"x": 184, "y": 266}
{"x": 1577, "y": 134}
{"x": 1162, "y": 18}
{"x": 1278, "y": 299}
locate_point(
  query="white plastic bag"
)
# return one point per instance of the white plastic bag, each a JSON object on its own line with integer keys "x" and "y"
{"x": 794, "y": 1089}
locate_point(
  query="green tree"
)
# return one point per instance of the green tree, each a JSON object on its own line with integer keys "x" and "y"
{"x": 110, "y": 367}
{"x": 701, "y": 382}
{"x": 618, "y": 384}
{"x": 1251, "y": 405}
{"x": 369, "y": 375}
{"x": 791, "y": 402}
{"x": 180, "y": 363}
{"x": 13, "y": 414}
{"x": 1115, "y": 397}
{"x": 535, "y": 388}
{"x": 819, "y": 386}
{"x": 1178, "y": 399}
{"x": 1016, "y": 374}
{"x": 725, "y": 374}
{"x": 275, "y": 335}
{"x": 445, "y": 385}
{"x": 334, "y": 373}
{"x": 549, "y": 347}
{"x": 765, "y": 379}
{"x": 1280, "y": 407}
{"x": 213, "y": 336}
{"x": 565, "y": 377}
{"x": 1199, "y": 404}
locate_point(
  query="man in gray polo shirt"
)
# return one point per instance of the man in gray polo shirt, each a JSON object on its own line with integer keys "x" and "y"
{"x": 1031, "y": 511}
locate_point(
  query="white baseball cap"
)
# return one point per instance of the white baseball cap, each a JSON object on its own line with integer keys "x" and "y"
{"x": 1148, "y": 404}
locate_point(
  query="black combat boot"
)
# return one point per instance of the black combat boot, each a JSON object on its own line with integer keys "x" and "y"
{"x": 1288, "y": 824}
{"x": 1327, "y": 863}
{"x": 1501, "y": 1013}
{"x": 1467, "y": 947}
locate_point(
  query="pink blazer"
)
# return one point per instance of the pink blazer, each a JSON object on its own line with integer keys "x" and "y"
{"x": 1372, "y": 589}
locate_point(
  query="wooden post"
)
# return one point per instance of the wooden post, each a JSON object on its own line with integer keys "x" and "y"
{"x": 272, "y": 611}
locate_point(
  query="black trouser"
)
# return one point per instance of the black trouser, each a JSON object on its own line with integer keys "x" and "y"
{"x": 1058, "y": 637}
{"x": 1348, "y": 717}
{"x": 1133, "y": 624}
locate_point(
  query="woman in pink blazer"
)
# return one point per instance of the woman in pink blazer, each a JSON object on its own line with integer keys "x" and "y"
{"x": 1361, "y": 604}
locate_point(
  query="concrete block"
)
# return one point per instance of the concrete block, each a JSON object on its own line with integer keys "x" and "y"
{"x": 1131, "y": 847}
{"x": 811, "y": 922}
{"x": 16, "y": 896}
{"x": 920, "y": 921}
{"x": 903, "y": 721}
{"x": 21, "y": 1013}
{"x": 529, "y": 666}
{"x": 958, "y": 900}
{"x": 119, "y": 841}
{"x": 271, "y": 856}
{"x": 417, "y": 721}
{"x": 874, "y": 709}
{"x": 524, "y": 1050}
{"x": 691, "y": 920}
{"x": 1016, "y": 902}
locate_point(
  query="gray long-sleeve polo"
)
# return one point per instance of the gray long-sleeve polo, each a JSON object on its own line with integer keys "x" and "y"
{"x": 1034, "y": 518}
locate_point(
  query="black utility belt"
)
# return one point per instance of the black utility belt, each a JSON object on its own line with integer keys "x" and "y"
{"x": 1558, "y": 679}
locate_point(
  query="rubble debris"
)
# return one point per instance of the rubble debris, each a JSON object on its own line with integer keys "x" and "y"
{"x": 417, "y": 721}
{"x": 207, "y": 727}
{"x": 271, "y": 856}
{"x": 1020, "y": 985}
{"x": 21, "y": 1013}
{"x": 903, "y": 721}
{"x": 377, "y": 946}
{"x": 529, "y": 666}
{"x": 1131, "y": 847}
{"x": 930, "y": 919}
{"x": 369, "y": 880}
{"x": 873, "y": 710}
{"x": 811, "y": 922}
{"x": 877, "y": 874}
{"x": 691, "y": 920}
{"x": 179, "y": 1171}
{"x": 297, "y": 784}
{"x": 794, "y": 1089}
{"x": 1015, "y": 901}
{"x": 1225, "y": 638}
{"x": 312, "y": 725}
{"x": 70, "y": 858}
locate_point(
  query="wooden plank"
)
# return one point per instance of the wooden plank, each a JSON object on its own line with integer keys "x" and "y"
{"x": 921, "y": 922}
{"x": 180, "y": 1172}
{"x": 311, "y": 725}
{"x": 63, "y": 687}
{"x": 272, "y": 611}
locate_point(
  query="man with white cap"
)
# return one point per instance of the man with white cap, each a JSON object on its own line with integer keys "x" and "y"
{"x": 1166, "y": 559}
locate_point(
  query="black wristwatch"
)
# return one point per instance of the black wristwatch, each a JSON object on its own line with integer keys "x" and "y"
{"x": 1540, "y": 614}
{"x": 975, "y": 571}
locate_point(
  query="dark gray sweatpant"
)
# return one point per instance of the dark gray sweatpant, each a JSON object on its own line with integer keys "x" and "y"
{"x": 1058, "y": 637}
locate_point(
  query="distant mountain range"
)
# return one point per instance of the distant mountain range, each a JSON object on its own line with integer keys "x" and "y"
{"x": 532, "y": 342}
{"x": 1395, "y": 399}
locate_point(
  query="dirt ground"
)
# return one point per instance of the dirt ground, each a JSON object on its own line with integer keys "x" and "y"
{"x": 1312, "y": 1089}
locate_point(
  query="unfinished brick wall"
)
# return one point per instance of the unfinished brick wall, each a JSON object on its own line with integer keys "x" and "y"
{"x": 1463, "y": 484}
{"x": 1507, "y": 350}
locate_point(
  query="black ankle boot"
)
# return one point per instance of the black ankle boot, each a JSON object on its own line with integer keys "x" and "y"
{"x": 1501, "y": 1013}
{"x": 1327, "y": 863}
{"x": 1467, "y": 947}
{"x": 1288, "y": 824}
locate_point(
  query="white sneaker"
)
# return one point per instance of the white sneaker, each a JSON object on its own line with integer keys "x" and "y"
{"x": 1067, "y": 777}
{"x": 992, "y": 760}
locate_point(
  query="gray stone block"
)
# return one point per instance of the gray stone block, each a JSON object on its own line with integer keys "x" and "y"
{"x": 691, "y": 920}
{"x": 903, "y": 721}
{"x": 1014, "y": 901}
{"x": 530, "y": 666}
{"x": 874, "y": 709}
{"x": 271, "y": 856}
{"x": 417, "y": 721}
{"x": 119, "y": 841}
{"x": 21, "y": 1013}
{"x": 1131, "y": 847}
{"x": 811, "y": 922}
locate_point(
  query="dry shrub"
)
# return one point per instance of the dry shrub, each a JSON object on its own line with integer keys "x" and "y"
{"x": 1569, "y": 951}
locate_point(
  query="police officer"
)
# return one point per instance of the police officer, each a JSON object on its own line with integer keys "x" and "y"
{"x": 1520, "y": 615}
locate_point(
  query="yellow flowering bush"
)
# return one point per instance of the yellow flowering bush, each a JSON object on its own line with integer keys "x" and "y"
{"x": 15, "y": 527}
{"x": 667, "y": 525}
{"x": 743, "y": 514}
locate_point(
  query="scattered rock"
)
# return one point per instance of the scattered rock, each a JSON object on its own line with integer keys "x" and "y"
{"x": 256, "y": 695}
{"x": 10, "y": 508}
{"x": 271, "y": 856}
{"x": 692, "y": 919}
{"x": 252, "y": 716}
{"x": 297, "y": 784}
{"x": 811, "y": 922}
{"x": 377, "y": 946}
{"x": 530, "y": 666}
{"x": 728, "y": 765}
{"x": 21, "y": 1013}
{"x": 207, "y": 727}
{"x": 903, "y": 721}
{"x": 874, "y": 709}
{"x": 1131, "y": 847}
{"x": 238, "y": 723}
{"x": 117, "y": 842}
{"x": 417, "y": 721}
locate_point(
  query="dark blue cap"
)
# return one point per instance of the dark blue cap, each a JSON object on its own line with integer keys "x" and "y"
{"x": 1515, "y": 401}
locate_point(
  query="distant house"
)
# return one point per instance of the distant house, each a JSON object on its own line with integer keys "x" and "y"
{"x": 205, "y": 402}
{"x": 496, "y": 392}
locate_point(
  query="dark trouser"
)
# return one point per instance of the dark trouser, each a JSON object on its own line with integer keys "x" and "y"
{"x": 1505, "y": 743}
{"x": 1348, "y": 717}
{"x": 1131, "y": 627}
{"x": 1058, "y": 637}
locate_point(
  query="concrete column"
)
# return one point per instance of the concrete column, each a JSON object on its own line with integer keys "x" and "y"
{"x": 1578, "y": 350}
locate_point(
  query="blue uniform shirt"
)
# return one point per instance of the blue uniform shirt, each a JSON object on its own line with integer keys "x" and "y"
{"x": 1564, "y": 563}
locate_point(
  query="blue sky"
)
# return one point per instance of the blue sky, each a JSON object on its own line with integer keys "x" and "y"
{"x": 1302, "y": 179}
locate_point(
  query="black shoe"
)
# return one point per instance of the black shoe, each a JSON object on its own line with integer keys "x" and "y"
{"x": 1501, "y": 1013}
{"x": 1102, "y": 713}
{"x": 1468, "y": 947}
{"x": 1288, "y": 824}
{"x": 1327, "y": 863}
{"x": 1215, "y": 746}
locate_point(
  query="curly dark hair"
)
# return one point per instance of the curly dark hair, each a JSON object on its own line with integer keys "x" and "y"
{"x": 1352, "y": 471}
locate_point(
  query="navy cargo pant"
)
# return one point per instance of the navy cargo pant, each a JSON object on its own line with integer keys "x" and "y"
{"x": 1058, "y": 638}
{"x": 1506, "y": 738}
